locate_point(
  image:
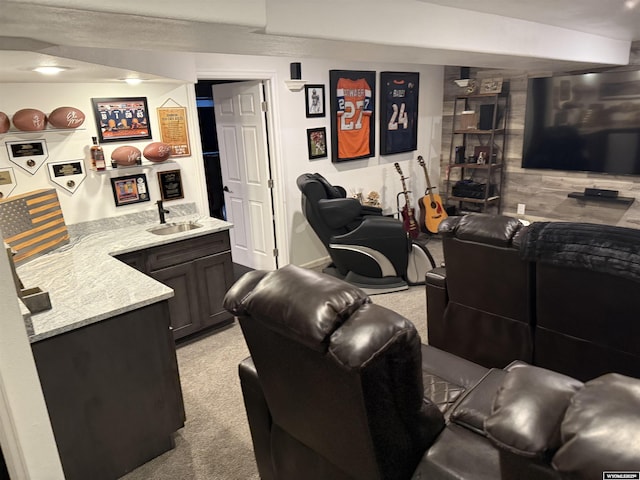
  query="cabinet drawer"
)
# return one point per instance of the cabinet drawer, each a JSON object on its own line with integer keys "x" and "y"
{"x": 187, "y": 250}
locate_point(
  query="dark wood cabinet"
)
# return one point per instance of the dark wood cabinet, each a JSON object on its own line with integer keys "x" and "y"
{"x": 199, "y": 270}
{"x": 113, "y": 392}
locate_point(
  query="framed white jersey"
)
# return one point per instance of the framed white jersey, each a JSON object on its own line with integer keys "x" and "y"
{"x": 399, "y": 112}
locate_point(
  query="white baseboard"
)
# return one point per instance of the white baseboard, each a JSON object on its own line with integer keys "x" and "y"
{"x": 315, "y": 264}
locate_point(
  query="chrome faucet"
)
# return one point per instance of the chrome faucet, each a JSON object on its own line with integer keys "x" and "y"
{"x": 161, "y": 211}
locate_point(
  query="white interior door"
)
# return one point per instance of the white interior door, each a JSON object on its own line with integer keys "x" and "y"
{"x": 244, "y": 159}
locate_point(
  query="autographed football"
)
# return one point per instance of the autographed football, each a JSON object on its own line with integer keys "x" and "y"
{"x": 126, "y": 156}
{"x": 157, "y": 152}
{"x": 29, "y": 120}
{"x": 4, "y": 123}
{"x": 66, "y": 117}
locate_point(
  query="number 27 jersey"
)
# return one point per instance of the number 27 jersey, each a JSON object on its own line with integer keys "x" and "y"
{"x": 354, "y": 117}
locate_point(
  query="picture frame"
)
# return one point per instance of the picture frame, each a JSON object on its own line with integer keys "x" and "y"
{"x": 130, "y": 189}
{"x": 352, "y": 107}
{"x": 399, "y": 93}
{"x": 121, "y": 119}
{"x": 170, "y": 182}
{"x": 490, "y": 85}
{"x": 314, "y": 100}
{"x": 317, "y": 142}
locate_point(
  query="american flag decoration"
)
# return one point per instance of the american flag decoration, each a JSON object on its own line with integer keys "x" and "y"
{"x": 32, "y": 224}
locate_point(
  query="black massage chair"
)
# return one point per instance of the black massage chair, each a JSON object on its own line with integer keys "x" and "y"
{"x": 367, "y": 249}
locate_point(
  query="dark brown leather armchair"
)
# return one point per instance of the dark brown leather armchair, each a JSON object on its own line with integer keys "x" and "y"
{"x": 337, "y": 387}
{"x": 480, "y": 307}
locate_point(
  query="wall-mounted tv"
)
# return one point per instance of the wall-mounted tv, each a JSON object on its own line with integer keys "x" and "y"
{"x": 588, "y": 122}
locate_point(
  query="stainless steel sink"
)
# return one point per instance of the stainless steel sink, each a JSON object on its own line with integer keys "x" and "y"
{"x": 169, "y": 228}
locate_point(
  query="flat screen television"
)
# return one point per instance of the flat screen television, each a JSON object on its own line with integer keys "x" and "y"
{"x": 588, "y": 122}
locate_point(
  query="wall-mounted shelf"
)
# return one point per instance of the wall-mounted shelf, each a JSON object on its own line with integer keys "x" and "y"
{"x": 144, "y": 164}
{"x": 619, "y": 200}
{"x": 295, "y": 85}
{"x": 39, "y": 132}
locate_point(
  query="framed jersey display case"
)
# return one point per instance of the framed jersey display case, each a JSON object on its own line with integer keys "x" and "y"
{"x": 352, "y": 107}
{"x": 120, "y": 119}
{"x": 399, "y": 112}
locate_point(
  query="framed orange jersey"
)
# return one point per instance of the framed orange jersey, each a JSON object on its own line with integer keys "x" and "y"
{"x": 353, "y": 96}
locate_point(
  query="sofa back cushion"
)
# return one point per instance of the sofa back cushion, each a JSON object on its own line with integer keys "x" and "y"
{"x": 587, "y": 279}
{"x": 489, "y": 312}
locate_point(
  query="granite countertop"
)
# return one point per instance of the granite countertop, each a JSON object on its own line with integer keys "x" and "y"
{"x": 86, "y": 284}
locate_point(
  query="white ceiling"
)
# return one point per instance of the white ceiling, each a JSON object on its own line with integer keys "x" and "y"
{"x": 31, "y": 29}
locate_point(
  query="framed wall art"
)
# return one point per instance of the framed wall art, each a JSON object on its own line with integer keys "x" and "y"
{"x": 130, "y": 189}
{"x": 317, "y": 142}
{"x": 314, "y": 100}
{"x": 491, "y": 85}
{"x": 174, "y": 130}
{"x": 352, "y": 108}
{"x": 170, "y": 185}
{"x": 121, "y": 119}
{"x": 398, "y": 112}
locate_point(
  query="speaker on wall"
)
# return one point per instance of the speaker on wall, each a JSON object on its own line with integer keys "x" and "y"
{"x": 296, "y": 71}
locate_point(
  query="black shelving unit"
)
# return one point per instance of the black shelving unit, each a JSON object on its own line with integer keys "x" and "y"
{"x": 492, "y": 142}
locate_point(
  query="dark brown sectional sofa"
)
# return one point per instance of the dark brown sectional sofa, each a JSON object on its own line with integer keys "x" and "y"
{"x": 560, "y": 295}
{"x": 338, "y": 388}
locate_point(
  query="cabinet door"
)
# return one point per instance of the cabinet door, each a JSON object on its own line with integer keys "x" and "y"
{"x": 215, "y": 277}
{"x": 184, "y": 309}
{"x": 136, "y": 260}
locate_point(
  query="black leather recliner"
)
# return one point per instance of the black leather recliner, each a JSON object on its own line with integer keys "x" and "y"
{"x": 340, "y": 388}
{"x": 367, "y": 249}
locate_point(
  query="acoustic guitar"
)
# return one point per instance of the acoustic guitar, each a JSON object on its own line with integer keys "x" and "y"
{"x": 409, "y": 222}
{"x": 431, "y": 211}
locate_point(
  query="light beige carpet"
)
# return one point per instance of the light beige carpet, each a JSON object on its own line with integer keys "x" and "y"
{"x": 215, "y": 443}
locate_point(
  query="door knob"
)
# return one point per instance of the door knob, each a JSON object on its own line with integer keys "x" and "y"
{"x": 226, "y": 189}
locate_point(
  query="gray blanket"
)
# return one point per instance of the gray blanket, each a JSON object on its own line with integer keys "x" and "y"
{"x": 601, "y": 248}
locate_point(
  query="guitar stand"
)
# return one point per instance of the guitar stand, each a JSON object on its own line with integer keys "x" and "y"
{"x": 423, "y": 238}
{"x": 398, "y": 209}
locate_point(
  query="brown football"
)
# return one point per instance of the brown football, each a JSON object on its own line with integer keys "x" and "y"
{"x": 157, "y": 152}
{"x": 126, "y": 156}
{"x": 66, "y": 117}
{"x": 4, "y": 123}
{"x": 29, "y": 120}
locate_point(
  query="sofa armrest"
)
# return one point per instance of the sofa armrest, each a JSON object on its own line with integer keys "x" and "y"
{"x": 339, "y": 212}
{"x": 258, "y": 416}
{"x": 528, "y": 409}
{"x": 437, "y": 299}
{"x": 474, "y": 407}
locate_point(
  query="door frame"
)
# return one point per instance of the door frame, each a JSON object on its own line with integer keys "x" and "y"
{"x": 274, "y": 145}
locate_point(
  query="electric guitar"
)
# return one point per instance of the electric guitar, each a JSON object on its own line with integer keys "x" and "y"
{"x": 431, "y": 211}
{"x": 408, "y": 213}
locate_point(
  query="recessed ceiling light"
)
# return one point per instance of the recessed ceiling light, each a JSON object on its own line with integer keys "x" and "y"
{"x": 50, "y": 70}
{"x": 133, "y": 81}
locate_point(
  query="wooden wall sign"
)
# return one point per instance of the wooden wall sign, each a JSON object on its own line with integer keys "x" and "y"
{"x": 174, "y": 130}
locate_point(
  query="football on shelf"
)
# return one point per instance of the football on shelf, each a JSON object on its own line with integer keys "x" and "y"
{"x": 66, "y": 117}
{"x": 29, "y": 120}
{"x": 157, "y": 152}
{"x": 126, "y": 156}
{"x": 4, "y": 123}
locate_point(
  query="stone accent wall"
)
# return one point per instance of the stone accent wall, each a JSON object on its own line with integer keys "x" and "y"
{"x": 544, "y": 192}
